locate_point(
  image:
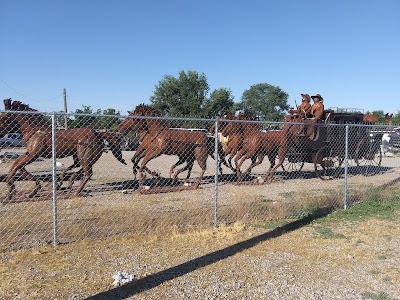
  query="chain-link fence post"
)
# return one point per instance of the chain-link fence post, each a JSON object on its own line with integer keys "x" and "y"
{"x": 216, "y": 173}
{"x": 54, "y": 177}
{"x": 346, "y": 164}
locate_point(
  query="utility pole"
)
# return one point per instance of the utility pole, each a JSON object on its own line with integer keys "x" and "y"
{"x": 65, "y": 109}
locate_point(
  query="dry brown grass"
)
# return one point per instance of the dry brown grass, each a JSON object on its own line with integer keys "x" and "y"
{"x": 300, "y": 264}
{"x": 112, "y": 213}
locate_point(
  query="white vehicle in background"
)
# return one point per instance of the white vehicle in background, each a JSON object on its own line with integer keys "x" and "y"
{"x": 391, "y": 141}
{"x": 12, "y": 140}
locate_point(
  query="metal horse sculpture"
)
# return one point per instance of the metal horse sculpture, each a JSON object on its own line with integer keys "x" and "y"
{"x": 146, "y": 139}
{"x": 232, "y": 143}
{"x": 256, "y": 145}
{"x": 85, "y": 145}
{"x": 189, "y": 146}
{"x": 370, "y": 119}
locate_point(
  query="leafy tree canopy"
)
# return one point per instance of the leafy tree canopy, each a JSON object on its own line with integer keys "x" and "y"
{"x": 110, "y": 122}
{"x": 91, "y": 120}
{"x": 82, "y": 121}
{"x": 265, "y": 102}
{"x": 182, "y": 96}
{"x": 379, "y": 114}
{"x": 396, "y": 119}
{"x": 219, "y": 103}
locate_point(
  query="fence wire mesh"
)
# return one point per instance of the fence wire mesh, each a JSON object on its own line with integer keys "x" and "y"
{"x": 118, "y": 175}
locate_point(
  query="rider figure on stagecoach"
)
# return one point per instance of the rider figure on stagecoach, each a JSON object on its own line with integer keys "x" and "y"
{"x": 316, "y": 112}
{"x": 304, "y": 108}
{"x": 300, "y": 114}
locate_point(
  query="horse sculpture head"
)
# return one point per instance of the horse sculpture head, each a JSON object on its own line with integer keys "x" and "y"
{"x": 11, "y": 120}
{"x": 222, "y": 125}
{"x": 7, "y": 104}
{"x": 140, "y": 124}
{"x": 240, "y": 127}
{"x": 244, "y": 116}
{"x": 8, "y": 121}
{"x": 146, "y": 110}
{"x": 19, "y": 106}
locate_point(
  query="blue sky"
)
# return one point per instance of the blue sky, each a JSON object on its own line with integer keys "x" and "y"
{"x": 111, "y": 54}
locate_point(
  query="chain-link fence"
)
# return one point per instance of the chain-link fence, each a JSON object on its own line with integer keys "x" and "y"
{"x": 113, "y": 175}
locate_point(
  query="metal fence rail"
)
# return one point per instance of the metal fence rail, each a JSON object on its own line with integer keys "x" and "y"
{"x": 221, "y": 173}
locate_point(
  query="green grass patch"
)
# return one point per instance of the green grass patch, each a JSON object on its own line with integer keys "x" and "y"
{"x": 379, "y": 296}
{"x": 266, "y": 200}
{"x": 288, "y": 195}
{"x": 366, "y": 203}
{"x": 328, "y": 233}
{"x": 275, "y": 224}
{"x": 377, "y": 204}
{"x": 382, "y": 257}
{"x": 385, "y": 209}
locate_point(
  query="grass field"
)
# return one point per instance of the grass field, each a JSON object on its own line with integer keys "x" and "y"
{"x": 344, "y": 254}
{"x": 115, "y": 207}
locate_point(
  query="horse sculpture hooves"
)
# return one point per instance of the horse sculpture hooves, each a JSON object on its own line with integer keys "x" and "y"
{"x": 9, "y": 196}
{"x": 82, "y": 194}
{"x": 271, "y": 179}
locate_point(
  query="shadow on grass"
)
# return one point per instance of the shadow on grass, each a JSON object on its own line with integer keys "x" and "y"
{"x": 156, "y": 279}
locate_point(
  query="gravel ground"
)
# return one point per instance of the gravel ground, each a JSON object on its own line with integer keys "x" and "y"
{"x": 357, "y": 260}
{"x": 109, "y": 211}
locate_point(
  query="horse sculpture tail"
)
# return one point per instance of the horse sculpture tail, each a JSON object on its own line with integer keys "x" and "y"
{"x": 114, "y": 143}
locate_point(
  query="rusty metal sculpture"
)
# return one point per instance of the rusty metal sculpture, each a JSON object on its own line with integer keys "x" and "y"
{"x": 255, "y": 145}
{"x": 189, "y": 146}
{"x": 85, "y": 145}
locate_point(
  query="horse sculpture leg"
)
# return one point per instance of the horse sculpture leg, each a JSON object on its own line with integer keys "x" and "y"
{"x": 76, "y": 164}
{"x": 150, "y": 153}
{"x": 240, "y": 157}
{"x": 222, "y": 159}
{"x": 88, "y": 154}
{"x": 72, "y": 178}
{"x": 229, "y": 152}
{"x": 281, "y": 157}
{"x": 255, "y": 161}
{"x": 19, "y": 165}
{"x": 271, "y": 158}
{"x": 139, "y": 154}
{"x": 234, "y": 146}
{"x": 135, "y": 161}
{"x": 201, "y": 156}
{"x": 179, "y": 162}
{"x": 189, "y": 167}
{"x": 88, "y": 173}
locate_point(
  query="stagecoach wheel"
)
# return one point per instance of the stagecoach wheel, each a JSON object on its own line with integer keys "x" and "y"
{"x": 327, "y": 164}
{"x": 294, "y": 160}
{"x": 368, "y": 157}
{"x": 292, "y": 166}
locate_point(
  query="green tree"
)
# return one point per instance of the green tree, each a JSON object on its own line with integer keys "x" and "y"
{"x": 100, "y": 119}
{"x": 83, "y": 121}
{"x": 396, "y": 119}
{"x": 219, "y": 103}
{"x": 182, "y": 96}
{"x": 109, "y": 119}
{"x": 265, "y": 102}
{"x": 60, "y": 120}
{"x": 379, "y": 114}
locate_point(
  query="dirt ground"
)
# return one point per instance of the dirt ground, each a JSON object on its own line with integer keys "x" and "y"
{"x": 116, "y": 207}
{"x": 358, "y": 260}
{"x": 301, "y": 260}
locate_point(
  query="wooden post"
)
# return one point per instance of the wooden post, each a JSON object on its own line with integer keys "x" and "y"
{"x": 65, "y": 109}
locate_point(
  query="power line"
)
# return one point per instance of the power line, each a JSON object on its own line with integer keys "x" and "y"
{"x": 29, "y": 98}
